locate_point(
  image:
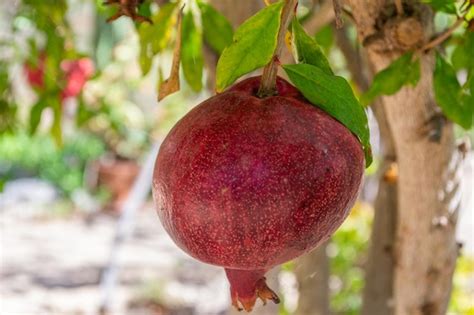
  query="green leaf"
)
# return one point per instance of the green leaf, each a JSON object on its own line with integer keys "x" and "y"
{"x": 35, "y": 114}
{"x": 218, "y": 31}
{"x": 462, "y": 55}
{"x": 154, "y": 37}
{"x": 333, "y": 95}
{"x": 191, "y": 52}
{"x": 253, "y": 46}
{"x": 325, "y": 37}
{"x": 390, "y": 80}
{"x": 146, "y": 59}
{"x": 307, "y": 49}
{"x": 56, "y": 131}
{"x": 446, "y": 6}
{"x": 449, "y": 94}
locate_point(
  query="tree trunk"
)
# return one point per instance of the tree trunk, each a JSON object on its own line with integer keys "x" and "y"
{"x": 417, "y": 270}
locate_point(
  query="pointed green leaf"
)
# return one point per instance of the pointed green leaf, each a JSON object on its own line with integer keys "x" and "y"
{"x": 35, "y": 114}
{"x": 462, "y": 55}
{"x": 333, "y": 95}
{"x": 307, "y": 50}
{"x": 252, "y": 47}
{"x": 146, "y": 59}
{"x": 325, "y": 38}
{"x": 449, "y": 94}
{"x": 154, "y": 37}
{"x": 446, "y": 6}
{"x": 217, "y": 29}
{"x": 191, "y": 52}
{"x": 390, "y": 80}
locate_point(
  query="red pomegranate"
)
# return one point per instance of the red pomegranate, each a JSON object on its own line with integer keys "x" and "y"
{"x": 248, "y": 183}
{"x": 77, "y": 72}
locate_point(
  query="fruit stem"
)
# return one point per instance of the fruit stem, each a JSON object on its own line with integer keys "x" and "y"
{"x": 246, "y": 286}
{"x": 268, "y": 82}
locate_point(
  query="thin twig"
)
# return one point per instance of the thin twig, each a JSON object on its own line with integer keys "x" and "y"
{"x": 441, "y": 38}
{"x": 338, "y": 13}
{"x": 268, "y": 82}
{"x": 399, "y": 6}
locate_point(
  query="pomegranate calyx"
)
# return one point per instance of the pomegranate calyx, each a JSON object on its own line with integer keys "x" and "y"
{"x": 248, "y": 285}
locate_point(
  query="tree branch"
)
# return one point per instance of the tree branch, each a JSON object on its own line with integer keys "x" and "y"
{"x": 444, "y": 36}
{"x": 354, "y": 60}
{"x": 399, "y": 6}
{"x": 337, "y": 13}
{"x": 268, "y": 82}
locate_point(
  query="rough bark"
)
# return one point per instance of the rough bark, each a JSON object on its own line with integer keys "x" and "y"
{"x": 312, "y": 275}
{"x": 378, "y": 290}
{"x": 424, "y": 249}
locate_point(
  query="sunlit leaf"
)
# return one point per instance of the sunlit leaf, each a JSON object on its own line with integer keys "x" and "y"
{"x": 307, "y": 49}
{"x": 154, "y": 37}
{"x": 334, "y": 95}
{"x": 449, "y": 94}
{"x": 462, "y": 57}
{"x": 191, "y": 52}
{"x": 325, "y": 37}
{"x": 56, "y": 130}
{"x": 35, "y": 114}
{"x": 446, "y": 6}
{"x": 217, "y": 29}
{"x": 253, "y": 45}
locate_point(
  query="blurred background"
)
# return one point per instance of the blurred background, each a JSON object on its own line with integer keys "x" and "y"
{"x": 80, "y": 127}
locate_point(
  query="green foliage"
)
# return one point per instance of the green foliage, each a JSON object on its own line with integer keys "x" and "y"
{"x": 334, "y": 95}
{"x": 390, "y": 80}
{"x": 253, "y": 46}
{"x": 462, "y": 295}
{"x": 462, "y": 55}
{"x": 347, "y": 252}
{"x": 64, "y": 167}
{"x": 7, "y": 107}
{"x": 307, "y": 49}
{"x": 191, "y": 52}
{"x": 446, "y": 6}
{"x": 325, "y": 38}
{"x": 217, "y": 30}
{"x": 155, "y": 37}
{"x": 455, "y": 101}
{"x": 48, "y": 17}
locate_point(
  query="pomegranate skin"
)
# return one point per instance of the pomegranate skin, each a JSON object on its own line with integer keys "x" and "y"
{"x": 248, "y": 183}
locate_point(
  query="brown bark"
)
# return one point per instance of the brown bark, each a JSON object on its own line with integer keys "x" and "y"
{"x": 424, "y": 250}
{"x": 378, "y": 290}
{"x": 312, "y": 275}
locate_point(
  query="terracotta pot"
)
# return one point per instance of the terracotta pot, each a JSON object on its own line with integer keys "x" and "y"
{"x": 117, "y": 176}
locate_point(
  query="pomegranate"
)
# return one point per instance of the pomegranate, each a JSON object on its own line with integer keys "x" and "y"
{"x": 76, "y": 73}
{"x": 248, "y": 183}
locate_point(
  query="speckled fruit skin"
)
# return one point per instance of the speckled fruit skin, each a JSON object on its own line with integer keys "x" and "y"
{"x": 248, "y": 183}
